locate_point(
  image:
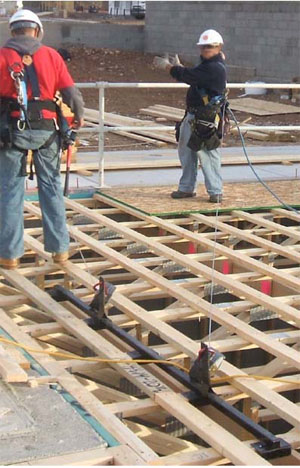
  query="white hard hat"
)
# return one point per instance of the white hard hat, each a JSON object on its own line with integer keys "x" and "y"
{"x": 210, "y": 36}
{"x": 25, "y": 19}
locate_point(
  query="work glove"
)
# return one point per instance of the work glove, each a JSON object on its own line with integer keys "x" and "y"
{"x": 161, "y": 62}
{"x": 175, "y": 60}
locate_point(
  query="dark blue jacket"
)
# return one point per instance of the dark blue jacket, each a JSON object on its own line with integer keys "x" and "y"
{"x": 209, "y": 75}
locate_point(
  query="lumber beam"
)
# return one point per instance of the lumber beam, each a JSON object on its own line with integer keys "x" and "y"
{"x": 261, "y": 221}
{"x": 220, "y": 439}
{"x": 251, "y": 238}
{"x": 10, "y": 371}
{"x": 284, "y": 311}
{"x": 194, "y": 301}
{"x": 257, "y": 390}
{"x": 56, "y": 310}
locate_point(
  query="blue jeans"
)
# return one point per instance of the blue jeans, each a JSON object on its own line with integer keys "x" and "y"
{"x": 12, "y": 190}
{"x": 210, "y": 163}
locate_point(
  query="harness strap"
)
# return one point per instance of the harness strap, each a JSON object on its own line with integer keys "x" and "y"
{"x": 31, "y": 173}
{"x": 24, "y": 163}
{"x": 50, "y": 140}
{"x": 31, "y": 76}
{"x": 204, "y": 95}
{"x": 11, "y": 104}
{"x": 22, "y": 77}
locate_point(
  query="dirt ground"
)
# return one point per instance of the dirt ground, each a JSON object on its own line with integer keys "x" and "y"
{"x": 102, "y": 64}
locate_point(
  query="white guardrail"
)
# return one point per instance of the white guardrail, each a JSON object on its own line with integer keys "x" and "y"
{"x": 102, "y": 128}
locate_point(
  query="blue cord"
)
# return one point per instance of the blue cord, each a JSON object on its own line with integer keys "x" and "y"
{"x": 288, "y": 207}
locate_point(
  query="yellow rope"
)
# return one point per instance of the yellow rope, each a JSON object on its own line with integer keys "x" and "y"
{"x": 215, "y": 381}
{"x": 94, "y": 359}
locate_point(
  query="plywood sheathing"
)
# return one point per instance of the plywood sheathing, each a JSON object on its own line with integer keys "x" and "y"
{"x": 157, "y": 200}
{"x": 262, "y": 107}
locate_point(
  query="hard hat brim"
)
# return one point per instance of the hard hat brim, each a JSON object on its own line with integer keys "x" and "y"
{"x": 23, "y": 24}
{"x": 210, "y": 43}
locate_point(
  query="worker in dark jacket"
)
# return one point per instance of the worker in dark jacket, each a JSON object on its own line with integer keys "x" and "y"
{"x": 30, "y": 75}
{"x": 198, "y": 131}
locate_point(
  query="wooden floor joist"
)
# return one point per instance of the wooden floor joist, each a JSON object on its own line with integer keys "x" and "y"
{"x": 164, "y": 288}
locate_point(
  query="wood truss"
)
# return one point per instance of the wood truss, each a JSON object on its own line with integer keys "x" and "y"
{"x": 166, "y": 272}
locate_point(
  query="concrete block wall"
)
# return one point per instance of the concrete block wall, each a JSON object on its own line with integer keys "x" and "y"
{"x": 4, "y": 32}
{"x": 92, "y": 34}
{"x": 262, "y": 39}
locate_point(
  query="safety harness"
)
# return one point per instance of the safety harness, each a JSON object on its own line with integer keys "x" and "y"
{"x": 31, "y": 117}
{"x": 23, "y": 73}
{"x": 206, "y": 122}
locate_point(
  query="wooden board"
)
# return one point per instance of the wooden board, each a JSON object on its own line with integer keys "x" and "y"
{"x": 172, "y": 161}
{"x": 223, "y": 441}
{"x": 116, "y": 120}
{"x": 10, "y": 371}
{"x": 262, "y": 107}
{"x": 157, "y": 200}
{"x": 175, "y": 114}
{"x": 122, "y": 455}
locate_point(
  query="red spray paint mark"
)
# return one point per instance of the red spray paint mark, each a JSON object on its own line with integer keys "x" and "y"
{"x": 266, "y": 287}
{"x": 192, "y": 248}
{"x": 226, "y": 267}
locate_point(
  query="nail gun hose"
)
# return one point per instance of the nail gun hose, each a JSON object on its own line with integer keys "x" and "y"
{"x": 285, "y": 205}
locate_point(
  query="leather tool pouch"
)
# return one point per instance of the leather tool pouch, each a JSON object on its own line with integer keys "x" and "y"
{"x": 204, "y": 133}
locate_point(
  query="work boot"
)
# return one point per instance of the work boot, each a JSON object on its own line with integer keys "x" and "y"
{"x": 9, "y": 263}
{"x": 180, "y": 194}
{"x": 61, "y": 257}
{"x": 215, "y": 198}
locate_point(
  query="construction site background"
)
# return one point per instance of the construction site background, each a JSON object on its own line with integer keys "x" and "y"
{"x": 261, "y": 38}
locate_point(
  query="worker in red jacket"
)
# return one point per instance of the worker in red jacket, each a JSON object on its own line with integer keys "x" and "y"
{"x": 30, "y": 75}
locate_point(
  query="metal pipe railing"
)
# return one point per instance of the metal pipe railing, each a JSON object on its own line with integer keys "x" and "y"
{"x": 101, "y": 129}
{"x": 106, "y": 84}
{"x": 132, "y": 128}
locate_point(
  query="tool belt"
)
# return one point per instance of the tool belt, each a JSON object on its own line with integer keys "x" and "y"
{"x": 34, "y": 109}
{"x": 204, "y": 128}
{"x": 45, "y": 124}
{"x": 35, "y": 120}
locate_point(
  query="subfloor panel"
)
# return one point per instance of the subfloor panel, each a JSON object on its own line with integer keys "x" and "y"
{"x": 37, "y": 423}
{"x": 157, "y": 200}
